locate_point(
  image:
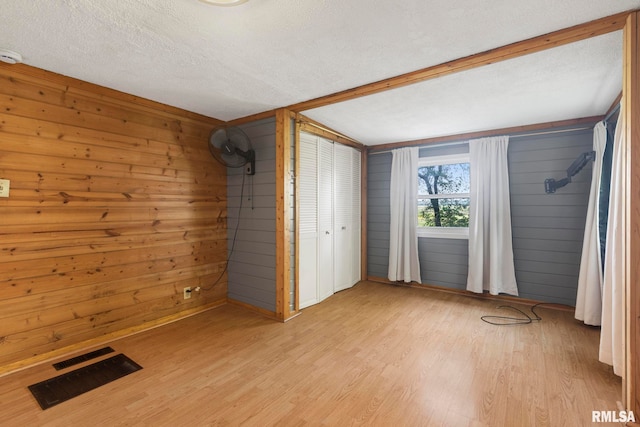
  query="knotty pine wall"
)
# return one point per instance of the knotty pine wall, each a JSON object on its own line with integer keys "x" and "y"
{"x": 115, "y": 206}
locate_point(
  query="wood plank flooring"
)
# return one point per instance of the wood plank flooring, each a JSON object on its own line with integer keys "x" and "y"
{"x": 372, "y": 355}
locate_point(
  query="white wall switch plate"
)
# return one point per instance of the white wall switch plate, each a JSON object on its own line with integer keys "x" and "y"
{"x": 4, "y": 187}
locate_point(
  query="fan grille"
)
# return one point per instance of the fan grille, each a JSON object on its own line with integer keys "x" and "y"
{"x": 231, "y": 147}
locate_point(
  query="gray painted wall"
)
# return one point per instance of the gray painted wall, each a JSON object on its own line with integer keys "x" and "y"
{"x": 252, "y": 267}
{"x": 378, "y": 213}
{"x": 547, "y": 228}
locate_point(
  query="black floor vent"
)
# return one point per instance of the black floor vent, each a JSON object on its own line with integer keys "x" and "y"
{"x": 82, "y": 358}
{"x": 71, "y": 384}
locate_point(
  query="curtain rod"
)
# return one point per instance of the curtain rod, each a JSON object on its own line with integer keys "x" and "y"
{"x": 550, "y": 132}
{"x": 446, "y": 144}
{"x": 317, "y": 126}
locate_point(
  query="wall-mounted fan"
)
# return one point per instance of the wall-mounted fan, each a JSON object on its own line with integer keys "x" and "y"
{"x": 232, "y": 147}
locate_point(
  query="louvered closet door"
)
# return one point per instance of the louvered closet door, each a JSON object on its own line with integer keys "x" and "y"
{"x": 329, "y": 218}
{"x": 325, "y": 219}
{"x": 307, "y": 200}
{"x": 356, "y": 221}
{"x": 343, "y": 220}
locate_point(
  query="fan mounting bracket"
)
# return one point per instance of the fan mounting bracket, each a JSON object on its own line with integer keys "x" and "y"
{"x": 250, "y": 167}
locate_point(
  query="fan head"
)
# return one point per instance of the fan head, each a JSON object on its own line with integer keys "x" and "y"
{"x": 232, "y": 147}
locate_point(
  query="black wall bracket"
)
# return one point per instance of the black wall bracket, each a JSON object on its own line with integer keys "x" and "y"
{"x": 551, "y": 185}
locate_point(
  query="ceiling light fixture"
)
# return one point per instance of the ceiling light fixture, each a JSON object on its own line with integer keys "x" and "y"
{"x": 224, "y": 2}
{"x": 10, "y": 57}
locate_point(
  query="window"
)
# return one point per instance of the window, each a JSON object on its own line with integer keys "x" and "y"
{"x": 443, "y": 196}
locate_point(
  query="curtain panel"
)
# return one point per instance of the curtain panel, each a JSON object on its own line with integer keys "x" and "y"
{"x": 612, "y": 339}
{"x": 491, "y": 265}
{"x": 589, "y": 296}
{"x": 403, "y": 236}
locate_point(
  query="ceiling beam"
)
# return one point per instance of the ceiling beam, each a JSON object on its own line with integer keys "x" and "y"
{"x": 514, "y": 50}
{"x": 585, "y": 121}
{"x": 316, "y": 128}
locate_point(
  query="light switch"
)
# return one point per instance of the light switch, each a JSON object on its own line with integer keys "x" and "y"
{"x": 4, "y": 188}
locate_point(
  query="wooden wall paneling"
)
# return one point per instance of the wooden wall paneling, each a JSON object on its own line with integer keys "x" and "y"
{"x": 151, "y": 164}
{"x": 107, "y": 314}
{"x": 26, "y": 280}
{"x": 283, "y": 220}
{"x": 92, "y": 189}
{"x": 91, "y": 137}
{"x": 292, "y": 205}
{"x": 75, "y": 158}
{"x": 115, "y": 206}
{"x": 48, "y": 79}
{"x": 297, "y": 212}
{"x": 106, "y": 338}
{"x": 96, "y": 120}
{"x": 631, "y": 96}
{"x": 22, "y": 89}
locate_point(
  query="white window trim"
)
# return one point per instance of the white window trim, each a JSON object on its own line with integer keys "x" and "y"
{"x": 443, "y": 160}
{"x": 443, "y": 232}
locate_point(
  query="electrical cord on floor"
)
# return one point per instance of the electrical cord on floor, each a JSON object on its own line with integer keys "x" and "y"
{"x": 233, "y": 243}
{"x": 507, "y": 320}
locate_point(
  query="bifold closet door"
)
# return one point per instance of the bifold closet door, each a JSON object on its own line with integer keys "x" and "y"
{"x": 325, "y": 219}
{"x": 342, "y": 220}
{"x": 307, "y": 199}
{"x": 329, "y": 218}
{"x": 356, "y": 216}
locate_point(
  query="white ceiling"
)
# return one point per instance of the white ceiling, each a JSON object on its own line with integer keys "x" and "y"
{"x": 236, "y": 61}
{"x": 573, "y": 81}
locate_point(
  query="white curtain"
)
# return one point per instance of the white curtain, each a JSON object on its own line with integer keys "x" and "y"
{"x": 490, "y": 247}
{"x": 612, "y": 339}
{"x": 589, "y": 298}
{"x": 403, "y": 243}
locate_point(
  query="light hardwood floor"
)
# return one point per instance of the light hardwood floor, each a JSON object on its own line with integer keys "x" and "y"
{"x": 372, "y": 355}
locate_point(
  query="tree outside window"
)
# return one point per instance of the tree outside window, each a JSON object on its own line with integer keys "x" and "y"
{"x": 443, "y": 194}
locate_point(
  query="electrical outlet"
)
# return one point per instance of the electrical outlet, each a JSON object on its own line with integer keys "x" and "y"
{"x": 4, "y": 187}
{"x": 186, "y": 292}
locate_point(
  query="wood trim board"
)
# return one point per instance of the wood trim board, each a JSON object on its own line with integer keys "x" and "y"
{"x": 313, "y": 127}
{"x": 631, "y": 99}
{"x": 283, "y": 197}
{"x": 472, "y": 135}
{"x": 297, "y": 215}
{"x": 486, "y": 295}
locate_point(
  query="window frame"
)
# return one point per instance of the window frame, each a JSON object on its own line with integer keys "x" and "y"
{"x": 444, "y": 232}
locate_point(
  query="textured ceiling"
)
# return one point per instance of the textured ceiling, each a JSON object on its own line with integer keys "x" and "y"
{"x": 235, "y": 61}
{"x": 573, "y": 81}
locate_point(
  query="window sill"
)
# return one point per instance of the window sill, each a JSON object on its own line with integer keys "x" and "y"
{"x": 444, "y": 233}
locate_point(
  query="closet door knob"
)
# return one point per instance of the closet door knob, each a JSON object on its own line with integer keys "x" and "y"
{"x": 344, "y": 227}
{"x": 326, "y": 232}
